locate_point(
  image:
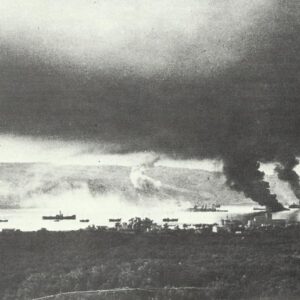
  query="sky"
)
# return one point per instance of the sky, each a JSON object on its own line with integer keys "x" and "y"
{"x": 15, "y": 149}
{"x": 143, "y": 37}
{"x": 193, "y": 80}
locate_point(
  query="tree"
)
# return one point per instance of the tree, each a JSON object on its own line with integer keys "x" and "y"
{"x": 140, "y": 225}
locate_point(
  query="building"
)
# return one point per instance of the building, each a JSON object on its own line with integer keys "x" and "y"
{"x": 262, "y": 219}
{"x": 279, "y": 222}
{"x": 231, "y": 225}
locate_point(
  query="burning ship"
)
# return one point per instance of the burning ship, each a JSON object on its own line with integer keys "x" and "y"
{"x": 206, "y": 208}
{"x": 60, "y": 216}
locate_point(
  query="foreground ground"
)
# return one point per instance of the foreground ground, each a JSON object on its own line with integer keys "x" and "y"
{"x": 258, "y": 265}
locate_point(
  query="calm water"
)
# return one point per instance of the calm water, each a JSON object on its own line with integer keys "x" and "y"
{"x": 31, "y": 218}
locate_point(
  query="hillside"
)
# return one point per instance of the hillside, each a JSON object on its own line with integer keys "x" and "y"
{"x": 27, "y": 185}
{"x": 31, "y": 185}
{"x": 183, "y": 293}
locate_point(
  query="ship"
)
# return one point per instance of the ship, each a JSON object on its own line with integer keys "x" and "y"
{"x": 170, "y": 220}
{"x": 3, "y": 220}
{"x": 295, "y": 205}
{"x": 114, "y": 220}
{"x": 59, "y": 217}
{"x": 206, "y": 208}
{"x": 259, "y": 208}
{"x": 84, "y": 220}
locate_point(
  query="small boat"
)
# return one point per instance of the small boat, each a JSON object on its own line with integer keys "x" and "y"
{"x": 84, "y": 220}
{"x": 258, "y": 208}
{"x": 3, "y": 220}
{"x": 114, "y": 220}
{"x": 170, "y": 220}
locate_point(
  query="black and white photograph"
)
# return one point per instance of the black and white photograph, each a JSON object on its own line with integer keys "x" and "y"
{"x": 149, "y": 149}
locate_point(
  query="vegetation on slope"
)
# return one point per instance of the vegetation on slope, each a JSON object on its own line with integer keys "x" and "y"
{"x": 261, "y": 264}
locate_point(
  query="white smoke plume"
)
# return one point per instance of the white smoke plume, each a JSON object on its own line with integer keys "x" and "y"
{"x": 140, "y": 180}
{"x": 145, "y": 184}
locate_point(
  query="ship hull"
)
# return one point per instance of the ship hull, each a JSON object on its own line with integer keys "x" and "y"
{"x": 73, "y": 217}
{"x": 207, "y": 210}
{"x": 294, "y": 206}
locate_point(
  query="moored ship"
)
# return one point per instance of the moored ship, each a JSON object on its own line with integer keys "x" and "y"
{"x": 84, "y": 220}
{"x": 259, "y": 208}
{"x": 206, "y": 208}
{"x": 170, "y": 220}
{"x": 115, "y": 220}
{"x": 295, "y": 205}
{"x": 60, "y": 216}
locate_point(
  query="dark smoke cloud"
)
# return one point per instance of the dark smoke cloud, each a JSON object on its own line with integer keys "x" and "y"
{"x": 243, "y": 175}
{"x": 285, "y": 171}
{"x": 243, "y": 112}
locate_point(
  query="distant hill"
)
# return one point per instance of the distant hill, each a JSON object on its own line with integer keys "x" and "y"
{"x": 23, "y": 185}
{"x": 133, "y": 294}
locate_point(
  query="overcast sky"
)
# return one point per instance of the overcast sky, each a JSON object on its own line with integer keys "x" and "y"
{"x": 144, "y": 37}
{"x": 195, "y": 79}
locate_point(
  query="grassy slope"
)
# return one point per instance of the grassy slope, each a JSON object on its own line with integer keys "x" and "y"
{"x": 262, "y": 264}
{"x": 174, "y": 293}
{"x": 19, "y": 182}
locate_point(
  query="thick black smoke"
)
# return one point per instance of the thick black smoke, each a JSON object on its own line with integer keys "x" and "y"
{"x": 285, "y": 171}
{"x": 243, "y": 112}
{"x": 243, "y": 175}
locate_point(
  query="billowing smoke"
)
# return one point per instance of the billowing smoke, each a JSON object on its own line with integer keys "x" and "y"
{"x": 243, "y": 174}
{"x": 286, "y": 172}
{"x": 140, "y": 180}
{"x": 249, "y": 104}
